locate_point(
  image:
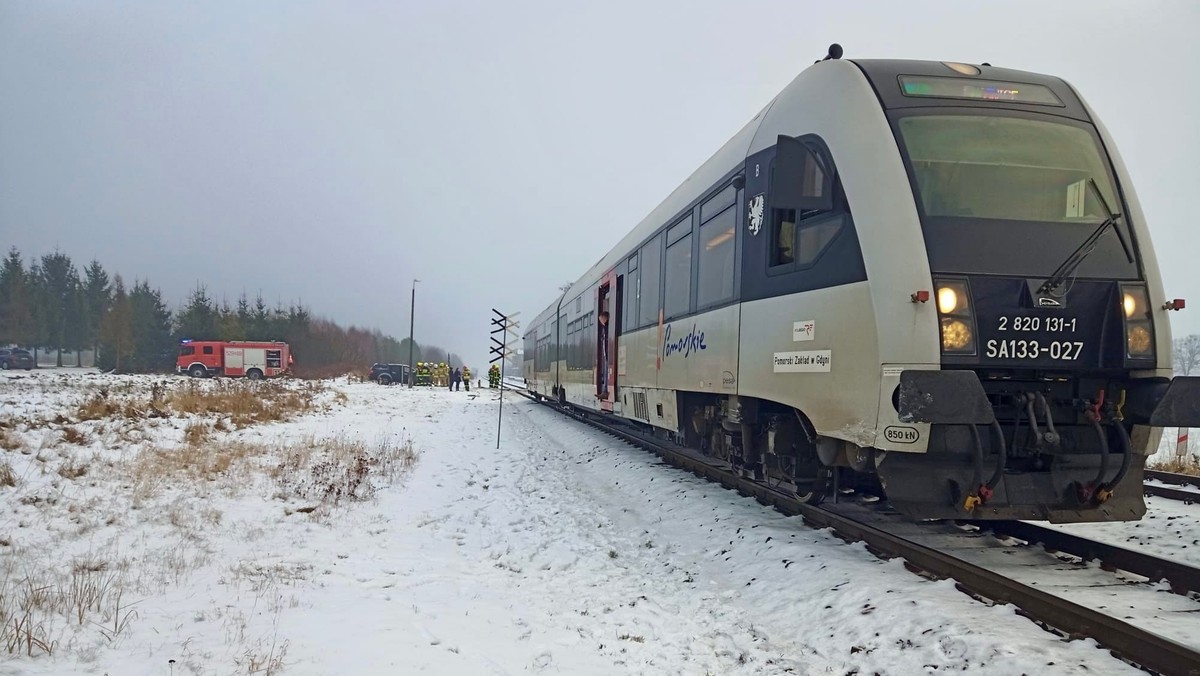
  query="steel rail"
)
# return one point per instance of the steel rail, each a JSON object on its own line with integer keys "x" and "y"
{"x": 1132, "y": 644}
{"x": 1182, "y": 577}
{"x": 1180, "y": 494}
{"x": 1173, "y": 477}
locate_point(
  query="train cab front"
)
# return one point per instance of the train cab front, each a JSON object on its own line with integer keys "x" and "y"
{"x": 1052, "y": 380}
{"x": 1041, "y": 411}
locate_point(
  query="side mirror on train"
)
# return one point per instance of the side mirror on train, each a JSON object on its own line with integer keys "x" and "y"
{"x": 799, "y": 179}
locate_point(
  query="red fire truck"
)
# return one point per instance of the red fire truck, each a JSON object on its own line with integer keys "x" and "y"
{"x": 254, "y": 360}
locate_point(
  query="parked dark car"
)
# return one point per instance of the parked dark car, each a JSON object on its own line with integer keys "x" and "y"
{"x": 387, "y": 374}
{"x": 13, "y": 358}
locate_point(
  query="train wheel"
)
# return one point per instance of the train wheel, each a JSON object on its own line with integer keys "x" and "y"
{"x": 813, "y": 491}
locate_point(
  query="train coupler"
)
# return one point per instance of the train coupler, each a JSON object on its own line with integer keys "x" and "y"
{"x": 977, "y": 499}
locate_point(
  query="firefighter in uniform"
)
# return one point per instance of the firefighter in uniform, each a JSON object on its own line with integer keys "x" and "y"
{"x": 423, "y": 375}
{"x": 467, "y": 377}
{"x": 494, "y": 377}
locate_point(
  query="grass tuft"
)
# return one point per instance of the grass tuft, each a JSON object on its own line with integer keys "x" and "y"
{"x": 72, "y": 435}
{"x": 9, "y": 441}
{"x": 72, "y": 469}
{"x": 195, "y": 433}
{"x": 7, "y": 476}
{"x": 338, "y": 469}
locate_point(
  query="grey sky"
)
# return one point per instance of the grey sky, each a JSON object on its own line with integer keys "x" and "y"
{"x": 331, "y": 152}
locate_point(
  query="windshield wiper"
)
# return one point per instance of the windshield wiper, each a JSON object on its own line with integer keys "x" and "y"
{"x": 1068, "y": 266}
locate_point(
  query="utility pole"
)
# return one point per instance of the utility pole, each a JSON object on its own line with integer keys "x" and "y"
{"x": 505, "y": 324}
{"x": 412, "y": 313}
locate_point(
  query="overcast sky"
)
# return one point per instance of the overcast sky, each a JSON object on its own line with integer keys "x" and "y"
{"x": 331, "y": 152}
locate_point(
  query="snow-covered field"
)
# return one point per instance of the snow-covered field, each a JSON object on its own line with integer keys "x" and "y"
{"x": 381, "y": 532}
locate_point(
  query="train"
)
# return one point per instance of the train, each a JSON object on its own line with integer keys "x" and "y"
{"x": 933, "y": 279}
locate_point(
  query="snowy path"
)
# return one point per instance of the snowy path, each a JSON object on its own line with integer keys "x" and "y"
{"x": 564, "y": 552}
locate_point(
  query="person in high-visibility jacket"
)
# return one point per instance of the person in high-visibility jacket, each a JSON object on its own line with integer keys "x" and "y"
{"x": 494, "y": 377}
{"x": 467, "y": 377}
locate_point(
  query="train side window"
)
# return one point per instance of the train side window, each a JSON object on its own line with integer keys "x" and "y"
{"x": 799, "y": 180}
{"x": 679, "y": 277}
{"x": 802, "y": 243}
{"x": 814, "y": 237}
{"x": 715, "y": 266}
{"x": 783, "y": 242}
{"x": 650, "y": 265}
{"x": 803, "y": 218}
{"x": 629, "y": 320}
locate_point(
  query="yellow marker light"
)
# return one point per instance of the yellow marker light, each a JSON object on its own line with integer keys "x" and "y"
{"x": 947, "y": 300}
{"x": 1130, "y": 303}
{"x": 1139, "y": 340}
{"x": 956, "y": 335}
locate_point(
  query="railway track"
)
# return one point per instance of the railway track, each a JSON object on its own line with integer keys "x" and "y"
{"x": 1188, "y": 494}
{"x": 922, "y": 548}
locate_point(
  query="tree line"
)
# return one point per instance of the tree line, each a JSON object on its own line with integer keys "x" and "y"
{"x": 51, "y": 304}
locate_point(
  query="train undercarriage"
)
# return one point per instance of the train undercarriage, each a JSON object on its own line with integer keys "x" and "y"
{"x": 999, "y": 449}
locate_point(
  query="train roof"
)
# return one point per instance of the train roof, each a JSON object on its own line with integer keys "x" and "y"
{"x": 884, "y": 76}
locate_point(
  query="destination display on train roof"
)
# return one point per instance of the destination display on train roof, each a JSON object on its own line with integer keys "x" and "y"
{"x": 983, "y": 90}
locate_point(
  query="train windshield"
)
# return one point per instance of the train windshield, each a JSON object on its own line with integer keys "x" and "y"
{"x": 1007, "y": 194}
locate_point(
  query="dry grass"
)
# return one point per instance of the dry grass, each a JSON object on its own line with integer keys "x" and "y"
{"x": 72, "y": 435}
{"x": 241, "y": 402}
{"x": 72, "y": 469}
{"x": 338, "y": 469}
{"x": 155, "y": 466}
{"x": 32, "y": 605}
{"x": 7, "y": 476}
{"x": 1188, "y": 464}
{"x": 196, "y": 433}
{"x": 244, "y": 402}
{"x": 9, "y": 441}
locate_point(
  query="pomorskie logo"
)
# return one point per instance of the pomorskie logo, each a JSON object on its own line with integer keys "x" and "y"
{"x": 692, "y": 342}
{"x": 757, "y": 204}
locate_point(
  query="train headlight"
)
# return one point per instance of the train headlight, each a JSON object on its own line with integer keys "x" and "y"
{"x": 1138, "y": 341}
{"x": 1129, "y": 303}
{"x": 955, "y": 316}
{"x": 1139, "y": 327}
{"x": 947, "y": 300}
{"x": 956, "y": 336}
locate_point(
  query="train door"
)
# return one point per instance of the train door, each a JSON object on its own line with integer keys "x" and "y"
{"x": 608, "y": 304}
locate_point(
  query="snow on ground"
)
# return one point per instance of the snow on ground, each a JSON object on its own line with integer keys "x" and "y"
{"x": 563, "y": 552}
{"x": 1170, "y": 529}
